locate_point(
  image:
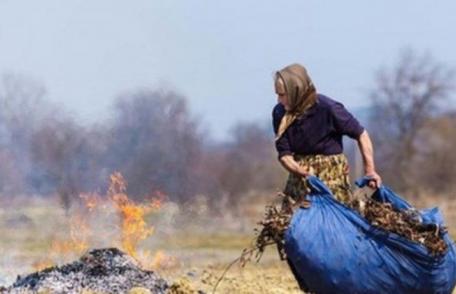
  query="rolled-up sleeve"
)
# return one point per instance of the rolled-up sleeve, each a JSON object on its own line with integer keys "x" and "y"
{"x": 283, "y": 146}
{"x": 344, "y": 122}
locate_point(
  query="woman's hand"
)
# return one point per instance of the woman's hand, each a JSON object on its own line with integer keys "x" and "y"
{"x": 293, "y": 166}
{"x": 303, "y": 171}
{"x": 375, "y": 180}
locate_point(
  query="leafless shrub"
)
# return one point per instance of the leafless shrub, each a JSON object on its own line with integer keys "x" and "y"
{"x": 404, "y": 98}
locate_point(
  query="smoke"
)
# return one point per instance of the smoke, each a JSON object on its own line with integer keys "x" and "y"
{"x": 49, "y": 160}
{"x": 152, "y": 139}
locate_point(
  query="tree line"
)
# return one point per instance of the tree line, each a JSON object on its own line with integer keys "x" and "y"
{"x": 159, "y": 146}
{"x": 151, "y": 138}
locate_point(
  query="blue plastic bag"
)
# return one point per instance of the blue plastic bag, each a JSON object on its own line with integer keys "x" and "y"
{"x": 333, "y": 249}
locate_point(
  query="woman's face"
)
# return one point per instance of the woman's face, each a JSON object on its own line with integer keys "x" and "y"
{"x": 282, "y": 96}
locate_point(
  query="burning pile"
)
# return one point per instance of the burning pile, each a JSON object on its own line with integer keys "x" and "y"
{"x": 116, "y": 221}
{"x": 100, "y": 271}
{"x": 111, "y": 220}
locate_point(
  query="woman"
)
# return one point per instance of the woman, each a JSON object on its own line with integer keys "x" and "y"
{"x": 309, "y": 128}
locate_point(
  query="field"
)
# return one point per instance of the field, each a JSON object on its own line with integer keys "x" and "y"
{"x": 188, "y": 246}
{"x": 37, "y": 233}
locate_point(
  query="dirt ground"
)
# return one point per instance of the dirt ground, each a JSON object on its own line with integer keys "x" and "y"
{"x": 200, "y": 269}
{"x": 192, "y": 257}
{"x": 266, "y": 277}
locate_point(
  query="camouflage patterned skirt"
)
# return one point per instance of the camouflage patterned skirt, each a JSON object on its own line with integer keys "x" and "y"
{"x": 331, "y": 169}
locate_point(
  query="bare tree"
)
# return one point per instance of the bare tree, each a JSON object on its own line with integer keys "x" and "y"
{"x": 155, "y": 143}
{"x": 437, "y": 161}
{"x": 42, "y": 150}
{"x": 403, "y": 99}
{"x": 63, "y": 160}
{"x": 249, "y": 162}
{"x": 22, "y": 108}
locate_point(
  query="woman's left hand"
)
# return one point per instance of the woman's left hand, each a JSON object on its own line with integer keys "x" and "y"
{"x": 375, "y": 180}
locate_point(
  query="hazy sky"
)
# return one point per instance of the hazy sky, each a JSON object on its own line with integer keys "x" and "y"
{"x": 219, "y": 54}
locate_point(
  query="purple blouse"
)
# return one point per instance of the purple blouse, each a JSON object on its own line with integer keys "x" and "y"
{"x": 317, "y": 131}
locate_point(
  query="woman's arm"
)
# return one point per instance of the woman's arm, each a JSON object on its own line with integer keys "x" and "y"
{"x": 293, "y": 166}
{"x": 366, "y": 149}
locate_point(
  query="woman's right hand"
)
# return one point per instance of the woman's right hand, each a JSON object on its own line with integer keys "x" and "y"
{"x": 303, "y": 171}
{"x": 290, "y": 164}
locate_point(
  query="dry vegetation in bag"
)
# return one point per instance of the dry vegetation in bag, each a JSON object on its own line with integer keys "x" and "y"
{"x": 272, "y": 228}
{"x": 406, "y": 223}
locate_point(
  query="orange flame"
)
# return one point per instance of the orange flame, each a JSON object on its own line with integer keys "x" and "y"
{"x": 78, "y": 243}
{"x": 133, "y": 225}
{"x": 42, "y": 264}
{"x": 91, "y": 201}
{"x": 162, "y": 260}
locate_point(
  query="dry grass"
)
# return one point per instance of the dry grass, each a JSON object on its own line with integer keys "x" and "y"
{"x": 200, "y": 246}
{"x": 199, "y": 254}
